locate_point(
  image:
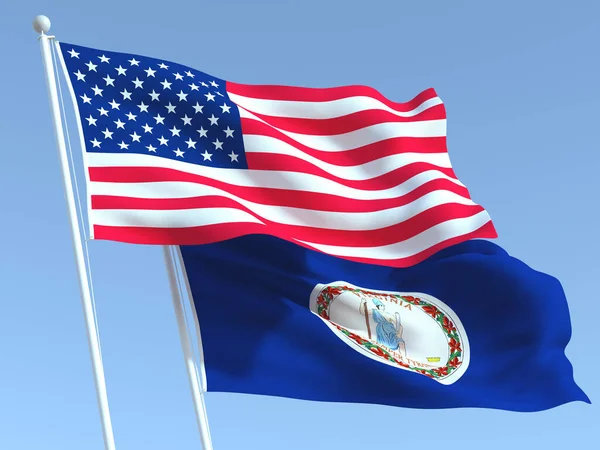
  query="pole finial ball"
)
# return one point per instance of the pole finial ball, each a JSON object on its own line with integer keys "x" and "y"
{"x": 41, "y": 24}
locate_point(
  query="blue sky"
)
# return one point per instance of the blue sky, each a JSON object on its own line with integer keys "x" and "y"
{"x": 520, "y": 83}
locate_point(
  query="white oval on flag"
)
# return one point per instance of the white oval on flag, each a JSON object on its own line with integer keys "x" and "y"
{"x": 408, "y": 330}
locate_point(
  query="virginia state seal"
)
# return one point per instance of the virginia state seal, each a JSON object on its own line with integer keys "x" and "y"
{"x": 407, "y": 330}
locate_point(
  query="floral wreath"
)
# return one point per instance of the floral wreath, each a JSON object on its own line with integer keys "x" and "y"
{"x": 327, "y": 295}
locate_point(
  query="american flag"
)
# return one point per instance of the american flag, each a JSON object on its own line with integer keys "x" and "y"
{"x": 175, "y": 156}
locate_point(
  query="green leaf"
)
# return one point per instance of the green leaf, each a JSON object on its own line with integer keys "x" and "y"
{"x": 454, "y": 355}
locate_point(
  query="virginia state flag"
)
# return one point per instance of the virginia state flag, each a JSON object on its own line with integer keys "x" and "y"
{"x": 469, "y": 327}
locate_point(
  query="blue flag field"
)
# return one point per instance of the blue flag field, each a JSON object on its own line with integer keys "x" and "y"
{"x": 469, "y": 327}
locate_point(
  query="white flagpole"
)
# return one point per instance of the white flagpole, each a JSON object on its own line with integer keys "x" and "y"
{"x": 190, "y": 363}
{"x": 41, "y": 24}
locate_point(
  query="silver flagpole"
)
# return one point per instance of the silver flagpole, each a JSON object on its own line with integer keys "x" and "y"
{"x": 41, "y": 24}
{"x": 190, "y": 363}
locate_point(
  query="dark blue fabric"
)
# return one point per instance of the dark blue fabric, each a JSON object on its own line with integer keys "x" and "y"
{"x": 259, "y": 336}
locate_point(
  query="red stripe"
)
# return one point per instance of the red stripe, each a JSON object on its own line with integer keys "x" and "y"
{"x": 383, "y": 236}
{"x": 268, "y": 196}
{"x": 217, "y": 233}
{"x": 357, "y": 156}
{"x": 177, "y": 236}
{"x": 348, "y": 123}
{"x": 487, "y": 231}
{"x": 269, "y": 161}
{"x": 305, "y": 94}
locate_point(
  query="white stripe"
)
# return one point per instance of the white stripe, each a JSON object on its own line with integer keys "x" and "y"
{"x": 170, "y": 219}
{"x": 356, "y": 221}
{"x": 363, "y": 136}
{"x": 323, "y": 110}
{"x": 417, "y": 244}
{"x": 372, "y": 169}
{"x": 266, "y": 178}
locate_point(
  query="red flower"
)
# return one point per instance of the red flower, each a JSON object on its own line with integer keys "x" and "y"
{"x": 448, "y": 325}
{"x": 334, "y": 291}
{"x": 424, "y": 372}
{"x": 454, "y": 363}
{"x": 401, "y": 364}
{"x": 378, "y": 351}
{"x": 410, "y": 299}
{"x": 441, "y": 371}
{"x": 356, "y": 339}
{"x": 432, "y": 311}
{"x": 454, "y": 345}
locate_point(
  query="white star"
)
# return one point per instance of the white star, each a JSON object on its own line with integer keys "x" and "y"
{"x": 163, "y": 66}
{"x": 107, "y": 134}
{"x": 178, "y": 76}
{"x": 219, "y": 94}
{"x": 147, "y": 129}
{"x": 91, "y": 66}
{"x": 198, "y": 107}
{"x": 109, "y": 80}
{"x": 104, "y": 59}
{"x": 80, "y": 76}
{"x": 202, "y": 132}
{"x": 137, "y": 82}
{"x": 114, "y": 105}
{"x": 96, "y": 143}
{"x": 174, "y": 131}
{"x": 131, "y": 116}
{"x": 228, "y": 132}
{"x": 213, "y": 120}
{"x": 73, "y": 53}
{"x": 123, "y": 145}
{"x": 233, "y": 156}
{"x": 204, "y": 84}
{"x": 178, "y": 153}
{"x": 126, "y": 95}
{"x": 182, "y": 96}
{"x": 97, "y": 91}
{"x": 206, "y": 156}
{"x": 159, "y": 119}
{"x": 150, "y": 72}
{"x": 209, "y": 97}
{"x": 214, "y": 84}
{"x": 163, "y": 141}
{"x": 151, "y": 148}
{"x": 190, "y": 143}
{"x": 154, "y": 95}
{"x": 170, "y": 108}
{"x": 91, "y": 120}
{"x": 135, "y": 137}
{"x": 134, "y": 62}
{"x": 120, "y": 124}
{"x": 190, "y": 74}
{"x": 86, "y": 99}
{"x": 166, "y": 84}
{"x": 143, "y": 107}
{"x": 103, "y": 112}
{"x": 194, "y": 87}
{"x": 187, "y": 120}
{"x": 218, "y": 145}
{"x": 121, "y": 70}
{"x": 225, "y": 108}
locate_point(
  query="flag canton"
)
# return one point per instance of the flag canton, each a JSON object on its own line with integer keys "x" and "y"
{"x": 133, "y": 104}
